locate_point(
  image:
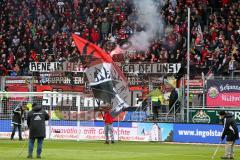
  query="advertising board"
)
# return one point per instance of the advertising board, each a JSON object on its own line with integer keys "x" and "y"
{"x": 224, "y": 93}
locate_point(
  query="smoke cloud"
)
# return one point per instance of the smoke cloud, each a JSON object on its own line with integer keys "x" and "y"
{"x": 173, "y": 2}
{"x": 149, "y": 18}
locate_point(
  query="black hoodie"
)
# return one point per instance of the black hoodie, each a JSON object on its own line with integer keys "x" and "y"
{"x": 230, "y": 128}
{"x": 36, "y": 122}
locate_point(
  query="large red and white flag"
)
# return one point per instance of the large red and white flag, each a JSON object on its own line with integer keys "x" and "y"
{"x": 105, "y": 78}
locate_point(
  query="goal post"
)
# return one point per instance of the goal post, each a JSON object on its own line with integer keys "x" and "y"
{"x": 68, "y": 112}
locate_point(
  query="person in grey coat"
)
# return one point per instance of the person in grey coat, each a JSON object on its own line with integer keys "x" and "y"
{"x": 36, "y": 123}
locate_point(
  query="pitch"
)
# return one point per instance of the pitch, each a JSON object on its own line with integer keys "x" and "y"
{"x": 97, "y": 150}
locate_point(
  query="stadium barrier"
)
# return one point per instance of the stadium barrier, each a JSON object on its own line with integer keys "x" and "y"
{"x": 128, "y": 131}
{"x": 75, "y": 116}
{"x": 66, "y": 109}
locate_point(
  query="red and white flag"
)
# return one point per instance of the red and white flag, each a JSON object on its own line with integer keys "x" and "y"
{"x": 105, "y": 78}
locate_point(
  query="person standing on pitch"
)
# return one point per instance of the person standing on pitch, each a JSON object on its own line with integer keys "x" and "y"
{"x": 36, "y": 123}
{"x": 108, "y": 127}
{"x": 18, "y": 115}
{"x": 230, "y": 130}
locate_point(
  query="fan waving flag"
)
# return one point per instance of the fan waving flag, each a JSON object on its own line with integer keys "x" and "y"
{"x": 105, "y": 78}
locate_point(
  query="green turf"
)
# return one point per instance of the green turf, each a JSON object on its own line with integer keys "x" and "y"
{"x": 96, "y": 150}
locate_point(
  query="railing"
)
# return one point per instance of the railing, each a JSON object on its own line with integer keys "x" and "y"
{"x": 173, "y": 115}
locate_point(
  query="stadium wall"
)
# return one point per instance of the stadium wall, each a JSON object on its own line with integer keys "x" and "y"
{"x": 128, "y": 131}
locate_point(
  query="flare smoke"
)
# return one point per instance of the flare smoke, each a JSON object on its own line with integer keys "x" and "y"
{"x": 149, "y": 18}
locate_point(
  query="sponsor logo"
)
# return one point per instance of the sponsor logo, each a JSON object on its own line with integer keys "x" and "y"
{"x": 213, "y": 92}
{"x": 37, "y": 118}
{"x": 201, "y": 117}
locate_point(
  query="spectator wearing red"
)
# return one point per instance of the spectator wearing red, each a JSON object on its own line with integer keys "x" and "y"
{"x": 121, "y": 17}
{"x": 225, "y": 2}
{"x": 122, "y": 34}
{"x": 95, "y": 34}
{"x": 47, "y": 25}
{"x": 204, "y": 53}
{"x": 33, "y": 55}
{"x": 86, "y": 33}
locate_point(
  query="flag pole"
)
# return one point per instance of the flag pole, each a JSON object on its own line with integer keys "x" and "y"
{"x": 188, "y": 63}
{"x": 118, "y": 127}
{"x": 78, "y": 122}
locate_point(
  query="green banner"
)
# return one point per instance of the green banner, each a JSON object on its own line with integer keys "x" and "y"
{"x": 210, "y": 116}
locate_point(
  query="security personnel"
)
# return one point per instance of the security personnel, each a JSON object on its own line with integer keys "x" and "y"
{"x": 156, "y": 104}
{"x": 29, "y": 106}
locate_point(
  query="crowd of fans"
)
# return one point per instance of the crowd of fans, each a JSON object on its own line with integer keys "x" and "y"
{"x": 40, "y": 31}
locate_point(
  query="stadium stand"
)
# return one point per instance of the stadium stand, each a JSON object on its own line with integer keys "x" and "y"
{"x": 40, "y": 31}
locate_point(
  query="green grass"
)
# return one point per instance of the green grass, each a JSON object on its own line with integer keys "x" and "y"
{"x": 96, "y": 150}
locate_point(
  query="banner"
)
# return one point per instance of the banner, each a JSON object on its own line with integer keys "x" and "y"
{"x": 127, "y": 131}
{"x": 196, "y": 86}
{"x": 223, "y": 93}
{"x": 198, "y": 133}
{"x": 16, "y": 84}
{"x": 81, "y": 98}
{"x": 145, "y": 68}
{"x": 55, "y": 67}
{"x": 59, "y": 88}
{"x": 210, "y": 115}
{"x": 134, "y": 80}
{"x": 61, "y": 80}
{"x": 203, "y": 116}
{"x": 194, "y": 83}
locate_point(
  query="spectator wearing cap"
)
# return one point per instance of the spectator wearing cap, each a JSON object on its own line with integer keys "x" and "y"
{"x": 230, "y": 130}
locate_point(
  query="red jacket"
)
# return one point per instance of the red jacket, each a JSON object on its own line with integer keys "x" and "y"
{"x": 108, "y": 118}
{"x": 95, "y": 36}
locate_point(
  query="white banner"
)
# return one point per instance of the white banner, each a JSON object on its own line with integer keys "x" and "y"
{"x": 151, "y": 68}
{"x": 96, "y": 133}
{"x": 127, "y": 132}
{"x": 55, "y": 66}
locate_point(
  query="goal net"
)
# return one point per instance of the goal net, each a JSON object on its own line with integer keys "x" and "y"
{"x": 72, "y": 114}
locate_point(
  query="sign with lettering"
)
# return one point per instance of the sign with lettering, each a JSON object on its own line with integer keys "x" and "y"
{"x": 55, "y": 66}
{"x": 211, "y": 115}
{"x": 73, "y": 100}
{"x": 146, "y": 68}
{"x": 223, "y": 93}
{"x": 194, "y": 83}
{"x": 61, "y": 80}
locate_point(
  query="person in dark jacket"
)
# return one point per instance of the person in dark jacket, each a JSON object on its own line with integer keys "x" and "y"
{"x": 36, "y": 123}
{"x": 173, "y": 100}
{"x": 230, "y": 130}
{"x": 18, "y": 115}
